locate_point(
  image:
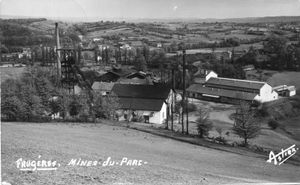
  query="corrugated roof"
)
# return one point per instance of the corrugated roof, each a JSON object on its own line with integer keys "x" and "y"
{"x": 198, "y": 88}
{"x": 235, "y": 83}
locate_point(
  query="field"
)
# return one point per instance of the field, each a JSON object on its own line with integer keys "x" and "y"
{"x": 287, "y": 78}
{"x": 169, "y": 161}
{"x": 10, "y": 72}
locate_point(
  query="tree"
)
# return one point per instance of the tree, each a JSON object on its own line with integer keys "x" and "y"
{"x": 141, "y": 63}
{"x": 12, "y": 108}
{"x": 275, "y": 44}
{"x": 245, "y": 125}
{"x": 27, "y": 98}
{"x": 203, "y": 123}
{"x": 110, "y": 105}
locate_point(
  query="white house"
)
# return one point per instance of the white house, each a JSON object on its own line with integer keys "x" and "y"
{"x": 144, "y": 103}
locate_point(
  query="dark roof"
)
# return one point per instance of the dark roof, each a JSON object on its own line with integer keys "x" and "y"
{"x": 132, "y": 81}
{"x": 141, "y": 104}
{"x": 108, "y": 77}
{"x": 235, "y": 83}
{"x": 198, "y": 88}
{"x": 199, "y": 80}
{"x": 158, "y": 91}
{"x": 140, "y": 75}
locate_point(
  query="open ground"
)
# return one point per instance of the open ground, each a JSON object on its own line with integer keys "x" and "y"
{"x": 169, "y": 161}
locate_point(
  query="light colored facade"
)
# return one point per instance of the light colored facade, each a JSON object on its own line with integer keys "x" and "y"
{"x": 266, "y": 94}
{"x": 229, "y": 90}
{"x": 201, "y": 76}
{"x": 284, "y": 90}
{"x": 149, "y": 116}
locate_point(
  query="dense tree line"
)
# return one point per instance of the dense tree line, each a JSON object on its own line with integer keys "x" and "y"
{"x": 36, "y": 96}
{"x": 277, "y": 54}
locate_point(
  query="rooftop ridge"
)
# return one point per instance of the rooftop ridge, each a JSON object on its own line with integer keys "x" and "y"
{"x": 234, "y": 79}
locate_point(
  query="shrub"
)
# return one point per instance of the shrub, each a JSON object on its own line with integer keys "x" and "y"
{"x": 273, "y": 124}
{"x": 221, "y": 140}
{"x": 191, "y": 107}
{"x": 203, "y": 123}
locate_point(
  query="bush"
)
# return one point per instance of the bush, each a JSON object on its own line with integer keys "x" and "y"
{"x": 220, "y": 140}
{"x": 191, "y": 107}
{"x": 273, "y": 124}
{"x": 203, "y": 123}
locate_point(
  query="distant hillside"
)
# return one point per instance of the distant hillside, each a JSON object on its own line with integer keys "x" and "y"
{"x": 274, "y": 19}
{"x": 29, "y": 31}
{"x": 267, "y": 19}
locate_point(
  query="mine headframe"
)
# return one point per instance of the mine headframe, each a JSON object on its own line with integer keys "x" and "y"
{"x": 71, "y": 74}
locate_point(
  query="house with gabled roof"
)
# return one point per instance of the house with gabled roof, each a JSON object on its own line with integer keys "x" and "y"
{"x": 147, "y": 103}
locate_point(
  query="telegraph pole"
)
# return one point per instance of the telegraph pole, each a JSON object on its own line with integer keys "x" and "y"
{"x": 58, "y": 52}
{"x": 183, "y": 94}
{"x": 173, "y": 98}
{"x": 186, "y": 98}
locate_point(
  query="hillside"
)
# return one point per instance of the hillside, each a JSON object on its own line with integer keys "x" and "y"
{"x": 168, "y": 161}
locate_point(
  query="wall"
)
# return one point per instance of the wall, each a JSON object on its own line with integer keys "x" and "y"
{"x": 267, "y": 94}
{"x": 157, "y": 117}
{"x": 211, "y": 74}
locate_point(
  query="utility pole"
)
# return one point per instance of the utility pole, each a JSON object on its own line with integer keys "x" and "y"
{"x": 183, "y": 94}
{"x": 0, "y": 52}
{"x": 173, "y": 97}
{"x": 58, "y": 52}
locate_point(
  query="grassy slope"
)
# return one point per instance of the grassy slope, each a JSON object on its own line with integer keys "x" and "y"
{"x": 169, "y": 161}
{"x": 10, "y": 72}
{"x": 287, "y": 78}
{"x": 291, "y": 125}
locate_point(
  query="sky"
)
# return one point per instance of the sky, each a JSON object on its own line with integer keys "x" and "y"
{"x": 151, "y": 9}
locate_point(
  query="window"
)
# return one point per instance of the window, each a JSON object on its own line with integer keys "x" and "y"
{"x": 146, "y": 118}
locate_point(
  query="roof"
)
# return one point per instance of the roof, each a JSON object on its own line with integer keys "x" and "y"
{"x": 199, "y": 80}
{"x": 122, "y": 72}
{"x": 132, "y": 81}
{"x": 141, "y": 97}
{"x": 158, "y": 91}
{"x": 141, "y": 104}
{"x": 103, "y": 86}
{"x": 284, "y": 88}
{"x": 202, "y": 73}
{"x": 248, "y": 84}
{"x": 138, "y": 74}
{"x": 198, "y": 88}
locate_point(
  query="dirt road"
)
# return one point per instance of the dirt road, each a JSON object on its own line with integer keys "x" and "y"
{"x": 168, "y": 161}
